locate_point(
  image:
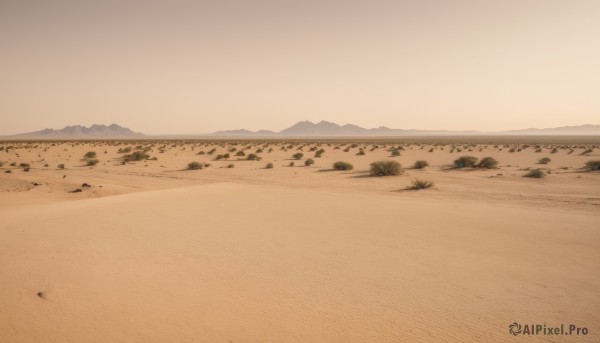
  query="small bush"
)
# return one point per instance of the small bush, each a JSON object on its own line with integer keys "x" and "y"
{"x": 588, "y": 151}
{"x": 342, "y": 166}
{"x": 231, "y": 166}
{"x": 421, "y": 184}
{"x": 252, "y": 157}
{"x": 309, "y": 162}
{"x": 240, "y": 153}
{"x": 536, "y": 173}
{"x": 136, "y": 156}
{"x": 91, "y": 162}
{"x": 90, "y": 154}
{"x": 8, "y": 171}
{"x": 298, "y": 155}
{"x": 488, "y": 163}
{"x": 396, "y": 152}
{"x": 24, "y": 165}
{"x": 1, "y": 164}
{"x": 544, "y": 160}
{"x": 386, "y": 168}
{"x": 291, "y": 164}
{"x": 420, "y": 164}
{"x": 269, "y": 165}
{"x": 195, "y": 165}
{"x": 465, "y": 162}
{"x": 593, "y": 165}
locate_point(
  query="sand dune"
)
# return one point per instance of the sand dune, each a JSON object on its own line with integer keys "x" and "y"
{"x": 296, "y": 254}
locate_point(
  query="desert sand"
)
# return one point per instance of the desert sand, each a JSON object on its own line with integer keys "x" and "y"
{"x": 154, "y": 252}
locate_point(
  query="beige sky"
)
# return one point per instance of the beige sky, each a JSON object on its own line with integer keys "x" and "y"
{"x": 199, "y": 66}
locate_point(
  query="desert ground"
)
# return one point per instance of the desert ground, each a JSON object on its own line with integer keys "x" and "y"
{"x": 130, "y": 244}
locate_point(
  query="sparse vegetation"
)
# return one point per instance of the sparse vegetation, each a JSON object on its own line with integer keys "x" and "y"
{"x": 386, "y": 168}
{"x": 535, "y": 173}
{"x": 90, "y": 154}
{"x": 544, "y": 160}
{"x": 136, "y": 156}
{"x": 465, "y": 162}
{"x": 488, "y": 163}
{"x": 421, "y": 184}
{"x": 420, "y": 164}
{"x": 91, "y": 162}
{"x": 195, "y": 165}
{"x": 593, "y": 165}
{"x": 342, "y": 166}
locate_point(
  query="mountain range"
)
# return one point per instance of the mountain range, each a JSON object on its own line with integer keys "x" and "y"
{"x": 78, "y": 131}
{"x": 300, "y": 129}
{"x": 325, "y": 128}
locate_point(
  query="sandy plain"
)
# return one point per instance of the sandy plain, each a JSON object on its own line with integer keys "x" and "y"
{"x": 153, "y": 252}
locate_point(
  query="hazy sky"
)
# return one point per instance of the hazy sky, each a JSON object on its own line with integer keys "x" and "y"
{"x": 199, "y": 66}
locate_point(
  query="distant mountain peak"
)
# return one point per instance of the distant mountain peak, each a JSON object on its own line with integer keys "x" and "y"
{"x": 79, "y": 131}
{"x": 326, "y": 128}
